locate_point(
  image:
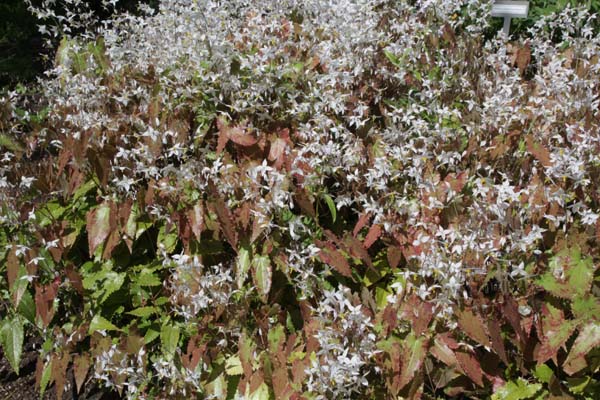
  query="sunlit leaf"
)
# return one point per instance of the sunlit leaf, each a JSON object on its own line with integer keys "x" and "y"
{"x": 12, "y": 337}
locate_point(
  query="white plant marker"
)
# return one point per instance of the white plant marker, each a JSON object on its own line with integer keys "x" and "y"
{"x": 509, "y": 9}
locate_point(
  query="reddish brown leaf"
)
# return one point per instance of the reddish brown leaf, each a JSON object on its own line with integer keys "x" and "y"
{"x": 390, "y": 318}
{"x": 243, "y": 215}
{"x": 470, "y": 365}
{"x": 74, "y": 278}
{"x": 356, "y": 249}
{"x": 196, "y": 218}
{"x": 59, "y": 372}
{"x": 374, "y": 234}
{"x": 44, "y": 301}
{"x": 225, "y": 219}
{"x": 457, "y": 181}
{"x": 123, "y": 212}
{"x": 302, "y": 198}
{"x": 277, "y": 149}
{"x": 98, "y": 226}
{"x": 241, "y": 137}
{"x": 39, "y": 370}
{"x": 281, "y": 385}
{"x": 473, "y": 326}
{"x": 81, "y": 365}
{"x": 394, "y": 255}
{"x": 510, "y": 310}
{"x": 443, "y": 352}
{"x": 223, "y": 138}
{"x": 12, "y": 266}
{"x": 538, "y": 150}
{"x": 236, "y": 134}
{"x": 423, "y": 315}
{"x": 336, "y": 260}
{"x": 495, "y": 331}
{"x": 523, "y": 57}
{"x": 194, "y": 353}
{"x": 114, "y": 239}
{"x": 363, "y": 220}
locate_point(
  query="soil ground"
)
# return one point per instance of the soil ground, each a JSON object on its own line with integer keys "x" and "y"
{"x": 22, "y": 387}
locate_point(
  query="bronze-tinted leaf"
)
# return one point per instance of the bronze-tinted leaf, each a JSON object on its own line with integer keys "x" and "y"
{"x": 302, "y": 198}
{"x": 495, "y": 330}
{"x": 196, "y": 219}
{"x": 470, "y": 365}
{"x": 236, "y": 134}
{"x": 241, "y": 136}
{"x": 81, "y": 365}
{"x": 523, "y": 57}
{"x": 394, "y": 255}
{"x": 538, "y": 150}
{"x": 277, "y": 149}
{"x": 556, "y": 332}
{"x": 413, "y": 353}
{"x": 443, "y": 352}
{"x": 588, "y": 339}
{"x": 226, "y": 222}
{"x": 12, "y": 266}
{"x": 363, "y": 220}
{"x": 332, "y": 257}
{"x": 473, "y": 326}
{"x": 356, "y": 249}
{"x": 374, "y": 234}
{"x": 98, "y": 226}
{"x": 59, "y": 372}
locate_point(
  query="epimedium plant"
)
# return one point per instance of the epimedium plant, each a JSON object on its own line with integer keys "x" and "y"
{"x": 293, "y": 199}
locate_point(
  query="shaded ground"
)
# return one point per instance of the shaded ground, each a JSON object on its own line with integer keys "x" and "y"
{"x": 22, "y": 387}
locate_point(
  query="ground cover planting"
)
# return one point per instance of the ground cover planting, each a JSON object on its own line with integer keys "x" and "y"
{"x": 300, "y": 199}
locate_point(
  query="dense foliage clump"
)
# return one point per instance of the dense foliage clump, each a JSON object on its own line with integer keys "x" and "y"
{"x": 306, "y": 199}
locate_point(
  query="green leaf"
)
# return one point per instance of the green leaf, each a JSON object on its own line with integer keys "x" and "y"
{"x": 276, "y": 338}
{"x": 9, "y": 144}
{"x": 168, "y": 240}
{"x": 83, "y": 190}
{"x": 577, "y": 385}
{"x": 586, "y": 308}
{"x": 11, "y": 338}
{"x": 27, "y": 307}
{"x": 261, "y": 393}
{"x": 392, "y": 58}
{"x": 569, "y": 275}
{"x": 331, "y": 206}
{"x": 112, "y": 282}
{"x": 99, "y": 323}
{"x": 148, "y": 279}
{"x": 150, "y": 335}
{"x": 45, "y": 380}
{"x": 144, "y": 312}
{"x": 543, "y": 373}
{"x": 20, "y": 286}
{"x": 517, "y": 390}
{"x": 262, "y": 274}
{"x": 233, "y": 366}
{"x": 169, "y": 337}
